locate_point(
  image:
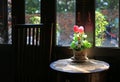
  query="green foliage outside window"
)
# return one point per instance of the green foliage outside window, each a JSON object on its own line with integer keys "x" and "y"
{"x": 100, "y": 28}
{"x": 32, "y": 6}
{"x": 35, "y": 20}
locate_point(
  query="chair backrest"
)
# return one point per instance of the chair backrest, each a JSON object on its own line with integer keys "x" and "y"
{"x": 26, "y": 39}
{"x": 28, "y": 34}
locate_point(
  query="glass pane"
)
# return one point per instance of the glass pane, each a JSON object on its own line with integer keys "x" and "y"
{"x": 1, "y": 21}
{"x": 65, "y": 21}
{"x": 5, "y": 22}
{"x": 9, "y": 22}
{"x": 107, "y": 23}
{"x": 32, "y": 11}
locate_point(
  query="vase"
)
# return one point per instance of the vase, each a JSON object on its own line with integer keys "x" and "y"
{"x": 79, "y": 56}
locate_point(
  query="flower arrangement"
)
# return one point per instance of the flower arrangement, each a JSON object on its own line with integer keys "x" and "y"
{"x": 79, "y": 41}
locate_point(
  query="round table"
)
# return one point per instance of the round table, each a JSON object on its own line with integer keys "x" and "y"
{"x": 91, "y": 70}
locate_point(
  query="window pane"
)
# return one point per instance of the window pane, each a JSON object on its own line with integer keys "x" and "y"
{"x": 32, "y": 11}
{"x": 65, "y": 21}
{"x": 1, "y": 21}
{"x": 107, "y": 23}
{"x": 5, "y": 22}
{"x": 9, "y": 22}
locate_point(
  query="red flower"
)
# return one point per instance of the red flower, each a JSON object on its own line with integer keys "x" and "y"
{"x": 76, "y": 28}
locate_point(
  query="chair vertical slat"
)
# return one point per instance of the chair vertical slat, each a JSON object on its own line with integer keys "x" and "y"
{"x": 37, "y": 36}
{"x": 29, "y": 36}
{"x": 33, "y": 35}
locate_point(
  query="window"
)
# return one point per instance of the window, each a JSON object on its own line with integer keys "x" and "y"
{"x": 68, "y": 14}
{"x": 9, "y": 22}
{"x": 103, "y": 22}
{"x": 65, "y": 21}
{"x": 5, "y": 22}
{"x": 107, "y": 23}
{"x": 32, "y": 17}
{"x": 32, "y": 11}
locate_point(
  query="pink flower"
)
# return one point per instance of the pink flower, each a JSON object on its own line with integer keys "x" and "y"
{"x": 81, "y": 29}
